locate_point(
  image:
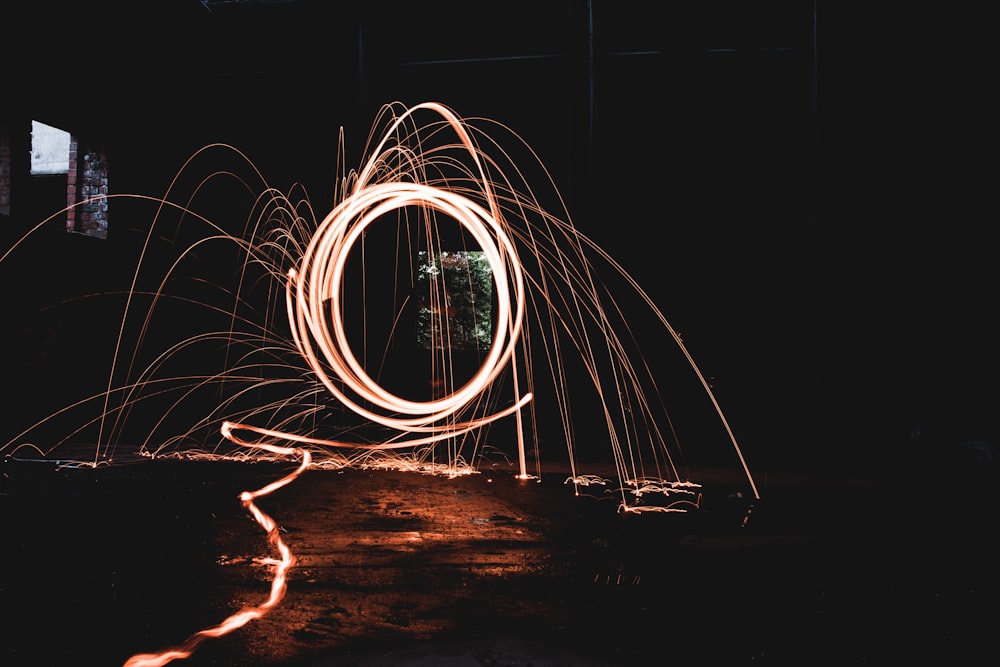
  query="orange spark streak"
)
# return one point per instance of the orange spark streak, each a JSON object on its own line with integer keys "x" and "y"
{"x": 281, "y": 565}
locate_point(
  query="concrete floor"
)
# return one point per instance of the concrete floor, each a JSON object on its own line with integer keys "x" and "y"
{"x": 401, "y": 568}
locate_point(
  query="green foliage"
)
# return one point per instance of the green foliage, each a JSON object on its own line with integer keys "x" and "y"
{"x": 455, "y": 308}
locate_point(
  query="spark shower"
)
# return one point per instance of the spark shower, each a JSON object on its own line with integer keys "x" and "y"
{"x": 296, "y": 341}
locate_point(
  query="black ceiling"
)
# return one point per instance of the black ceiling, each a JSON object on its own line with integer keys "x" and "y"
{"x": 132, "y": 54}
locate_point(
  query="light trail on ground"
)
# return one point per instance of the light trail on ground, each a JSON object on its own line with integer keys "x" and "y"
{"x": 279, "y": 568}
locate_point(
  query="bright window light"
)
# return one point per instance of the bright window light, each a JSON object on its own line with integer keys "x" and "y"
{"x": 49, "y": 149}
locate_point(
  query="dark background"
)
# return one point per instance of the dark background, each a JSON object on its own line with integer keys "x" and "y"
{"x": 799, "y": 185}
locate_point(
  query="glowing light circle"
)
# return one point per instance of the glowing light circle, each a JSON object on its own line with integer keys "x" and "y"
{"x": 321, "y": 276}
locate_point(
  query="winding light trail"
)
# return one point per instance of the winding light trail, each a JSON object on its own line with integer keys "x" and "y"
{"x": 280, "y": 566}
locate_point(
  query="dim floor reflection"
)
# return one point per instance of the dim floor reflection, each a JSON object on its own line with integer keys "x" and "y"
{"x": 404, "y": 569}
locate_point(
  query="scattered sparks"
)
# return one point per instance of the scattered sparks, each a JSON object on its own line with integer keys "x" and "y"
{"x": 274, "y": 351}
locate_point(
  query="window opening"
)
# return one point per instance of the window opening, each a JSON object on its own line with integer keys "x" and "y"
{"x": 455, "y": 309}
{"x": 57, "y": 153}
{"x": 49, "y": 149}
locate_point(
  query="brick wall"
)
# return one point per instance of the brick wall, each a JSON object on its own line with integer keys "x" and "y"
{"x": 89, "y": 184}
{"x": 71, "y": 178}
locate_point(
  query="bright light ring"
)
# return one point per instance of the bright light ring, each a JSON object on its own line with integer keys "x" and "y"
{"x": 322, "y": 275}
{"x": 313, "y": 301}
